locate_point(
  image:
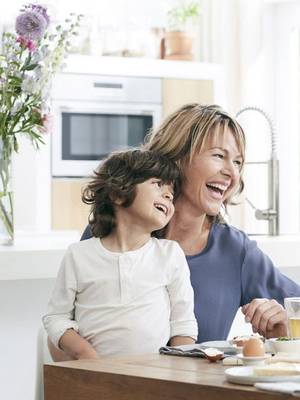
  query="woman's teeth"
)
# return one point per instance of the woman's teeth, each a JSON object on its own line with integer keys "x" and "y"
{"x": 217, "y": 188}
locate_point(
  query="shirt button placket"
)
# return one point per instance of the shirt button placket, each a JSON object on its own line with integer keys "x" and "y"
{"x": 124, "y": 267}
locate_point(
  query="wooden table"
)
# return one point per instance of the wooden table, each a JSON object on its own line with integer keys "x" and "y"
{"x": 145, "y": 377}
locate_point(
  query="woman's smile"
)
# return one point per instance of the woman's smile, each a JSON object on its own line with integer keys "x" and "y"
{"x": 217, "y": 189}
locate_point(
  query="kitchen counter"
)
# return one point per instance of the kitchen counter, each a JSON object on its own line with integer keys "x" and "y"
{"x": 284, "y": 250}
{"x": 35, "y": 256}
{"x": 38, "y": 256}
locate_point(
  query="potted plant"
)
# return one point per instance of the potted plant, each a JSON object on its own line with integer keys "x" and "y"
{"x": 178, "y": 42}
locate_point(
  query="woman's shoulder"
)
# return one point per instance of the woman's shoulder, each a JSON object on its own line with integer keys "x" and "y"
{"x": 230, "y": 243}
{"x": 226, "y": 233}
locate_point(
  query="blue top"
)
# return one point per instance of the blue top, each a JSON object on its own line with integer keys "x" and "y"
{"x": 228, "y": 273}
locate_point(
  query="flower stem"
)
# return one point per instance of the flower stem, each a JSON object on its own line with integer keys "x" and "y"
{"x": 6, "y": 204}
{"x": 5, "y": 218}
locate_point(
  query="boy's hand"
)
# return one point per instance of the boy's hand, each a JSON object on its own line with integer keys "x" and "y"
{"x": 88, "y": 355}
{"x": 76, "y": 346}
{"x": 180, "y": 340}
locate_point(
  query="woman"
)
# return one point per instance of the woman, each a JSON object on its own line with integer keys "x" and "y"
{"x": 227, "y": 269}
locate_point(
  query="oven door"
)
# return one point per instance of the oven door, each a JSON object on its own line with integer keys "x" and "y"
{"x": 87, "y": 133}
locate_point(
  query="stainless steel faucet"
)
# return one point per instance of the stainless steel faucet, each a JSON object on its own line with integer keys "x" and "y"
{"x": 271, "y": 214}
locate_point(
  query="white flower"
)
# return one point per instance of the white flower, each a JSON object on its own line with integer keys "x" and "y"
{"x": 38, "y": 72}
{"x": 16, "y": 107}
{"x": 45, "y": 51}
{"x": 45, "y": 93}
{"x": 30, "y": 85}
{"x": 36, "y": 57}
{"x": 45, "y": 108}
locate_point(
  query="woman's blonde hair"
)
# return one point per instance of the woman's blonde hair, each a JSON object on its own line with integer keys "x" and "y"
{"x": 186, "y": 131}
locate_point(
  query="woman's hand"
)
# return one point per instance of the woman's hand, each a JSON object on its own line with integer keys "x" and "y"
{"x": 267, "y": 317}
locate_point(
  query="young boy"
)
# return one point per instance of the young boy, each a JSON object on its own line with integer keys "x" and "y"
{"x": 124, "y": 290}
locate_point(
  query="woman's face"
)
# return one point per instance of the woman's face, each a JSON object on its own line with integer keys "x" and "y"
{"x": 213, "y": 175}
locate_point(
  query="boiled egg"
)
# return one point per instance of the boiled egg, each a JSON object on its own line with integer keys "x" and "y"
{"x": 253, "y": 348}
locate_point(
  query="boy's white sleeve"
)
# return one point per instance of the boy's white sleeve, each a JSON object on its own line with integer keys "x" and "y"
{"x": 182, "y": 320}
{"x": 60, "y": 313}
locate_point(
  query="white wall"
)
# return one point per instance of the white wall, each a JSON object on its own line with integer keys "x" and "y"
{"x": 22, "y": 303}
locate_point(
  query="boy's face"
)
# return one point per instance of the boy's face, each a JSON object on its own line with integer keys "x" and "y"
{"x": 153, "y": 205}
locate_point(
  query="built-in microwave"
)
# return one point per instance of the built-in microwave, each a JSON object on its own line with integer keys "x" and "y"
{"x": 95, "y": 115}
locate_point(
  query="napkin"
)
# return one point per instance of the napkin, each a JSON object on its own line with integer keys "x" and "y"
{"x": 187, "y": 350}
{"x": 292, "y": 388}
{"x": 232, "y": 360}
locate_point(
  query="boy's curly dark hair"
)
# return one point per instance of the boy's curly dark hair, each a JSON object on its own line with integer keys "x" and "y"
{"x": 117, "y": 177}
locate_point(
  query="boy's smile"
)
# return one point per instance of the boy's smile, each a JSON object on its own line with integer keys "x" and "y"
{"x": 162, "y": 207}
{"x": 152, "y": 207}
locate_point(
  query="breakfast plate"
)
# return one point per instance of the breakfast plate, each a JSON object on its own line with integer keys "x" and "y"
{"x": 222, "y": 345}
{"x": 284, "y": 345}
{"x": 244, "y": 376}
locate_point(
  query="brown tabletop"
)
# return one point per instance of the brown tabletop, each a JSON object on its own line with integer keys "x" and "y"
{"x": 145, "y": 377}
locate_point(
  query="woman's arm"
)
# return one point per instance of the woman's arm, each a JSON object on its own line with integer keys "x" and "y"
{"x": 264, "y": 288}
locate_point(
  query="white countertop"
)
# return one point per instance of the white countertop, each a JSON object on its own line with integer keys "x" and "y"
{"x": 35, "y": 256}
{"x": 284, "y": 250}
{"x": 38, "y": 256}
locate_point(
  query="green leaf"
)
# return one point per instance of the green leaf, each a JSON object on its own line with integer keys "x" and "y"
{"x": 29, "y": 67}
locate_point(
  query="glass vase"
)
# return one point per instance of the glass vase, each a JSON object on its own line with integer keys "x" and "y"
{"x": 6, "y": 197}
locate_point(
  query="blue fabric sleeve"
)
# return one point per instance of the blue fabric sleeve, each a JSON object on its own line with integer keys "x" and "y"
{"x": 87, "y": 234}
{"x": 261, "y": 279}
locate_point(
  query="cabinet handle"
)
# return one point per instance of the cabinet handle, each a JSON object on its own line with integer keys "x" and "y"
{"x": 108, "y": 85}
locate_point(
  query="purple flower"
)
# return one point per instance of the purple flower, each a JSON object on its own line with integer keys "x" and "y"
{"x": 39, "y": 9}
{"x": 31, "y": 25}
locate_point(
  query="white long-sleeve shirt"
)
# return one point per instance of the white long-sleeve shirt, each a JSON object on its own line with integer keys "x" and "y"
{"x": 131, "y": 302}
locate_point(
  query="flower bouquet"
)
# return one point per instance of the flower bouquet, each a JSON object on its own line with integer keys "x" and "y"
{"x": 29, "y": 59}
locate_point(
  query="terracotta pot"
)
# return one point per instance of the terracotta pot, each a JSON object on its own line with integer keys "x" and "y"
{"x": 178, "y": 43}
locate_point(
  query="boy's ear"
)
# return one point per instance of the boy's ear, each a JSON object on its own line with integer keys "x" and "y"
{"x": 116, "y": 200}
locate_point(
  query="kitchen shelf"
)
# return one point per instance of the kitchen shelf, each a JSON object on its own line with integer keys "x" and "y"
{"x": 150, "y": 68}
{"x": 143, "y": 67}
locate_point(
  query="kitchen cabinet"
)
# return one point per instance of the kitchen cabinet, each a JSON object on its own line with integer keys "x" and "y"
{"x": 181, "y": 82}
{"x": 68, "y": 210}
{"x": 177, "y": 92}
